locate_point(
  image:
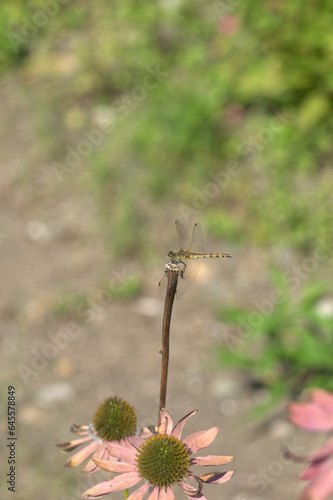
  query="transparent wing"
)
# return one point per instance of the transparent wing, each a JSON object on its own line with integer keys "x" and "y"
{"x": 183, "y": 236}
{"x": 189, "y": 275}
{"x": 196, "y": 244}
{"x": 178, "y": 266}
{"x": 163, "y": 283}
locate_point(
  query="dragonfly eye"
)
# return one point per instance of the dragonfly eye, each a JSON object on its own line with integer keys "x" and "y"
{"x": 171, "y": 254}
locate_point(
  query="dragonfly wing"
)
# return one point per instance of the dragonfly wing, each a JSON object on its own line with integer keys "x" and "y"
{"x": 178, "y": 270}
{"x": 191, "y": 270}
{"x": 183, "y": 236}
{"x": 196, "y": 244}
{"x": 163, "y": 283}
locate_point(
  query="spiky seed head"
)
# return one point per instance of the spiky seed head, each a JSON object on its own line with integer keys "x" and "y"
{"x": 114, "y": 419}
{"x": 163, "y": 460}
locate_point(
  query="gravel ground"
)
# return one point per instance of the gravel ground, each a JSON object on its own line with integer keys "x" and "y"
{"x": 63, "y": 365}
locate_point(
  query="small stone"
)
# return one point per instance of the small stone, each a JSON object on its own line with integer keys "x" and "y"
{"x": 52, "y": 393}
{"x": 324, "y": 307}
{"x": 39, "y": 232}
{"x": 148, "y": 306}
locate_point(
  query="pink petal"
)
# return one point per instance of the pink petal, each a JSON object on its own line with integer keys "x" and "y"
{"x": 322, "y": 486}
{"x": 177, "y": 430}
{"x": 99, "y": 453}
{"x": 217, "y": 477}
{"x": 200, "y": 439}
{"x": 114, "y": 466}
{"x": 90, "y": 467}
{"x": 146, "y": 433}
{"x": 154, "y": 494}
{"x": 122, "y": 452}
{"x": 323, "y": 398}
{"x": 199, "y": 496}
{"x": 165, "y": 494}
{"x": 166, "y": 424}
{"x": 104, "y": 456}
{"x": 323, "y": 452}
{"x": 80, "y": 429}
{"x": 135, "y": 441}
{"x": 315, "y": 415}
{"x": 71, "y": 445}
{"x": 117, "y": 483}
{"x": 190, "y": 491}
{"x": 211, "y": 460}
{"x": 312, "y": 471}
{"x": 81, "y": 455}
{"x": 139, "y": 493}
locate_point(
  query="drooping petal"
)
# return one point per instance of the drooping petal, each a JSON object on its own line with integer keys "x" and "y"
{"x": 146, "y": 432}
{"x": 99, "y": 453}
{"x": 177, "y": 430}
{"x": 312, "y": 471}
{"x": 117, "y": 483}
{"x": 323, "y": 452}
{"x": 199, "y": 496}
{"x": 211, "y": 460}
{"x": 217, "y": 477}
{"x": 190, "y": 491}
{"x": 80, "y": 429}
{"x": 314, "y": 415}
{"x": 322, "y": 486}
{"x": 81, "y": 455}
{"x": 135, "y": 442}
{"x": 114, "y": 466}
{"x": 166, "y": 423}
{"x": 139, "y": 493}
{"x": 201, "y": 439}
{"x": 71, "y": 445}
{"x": 121, "y": 452}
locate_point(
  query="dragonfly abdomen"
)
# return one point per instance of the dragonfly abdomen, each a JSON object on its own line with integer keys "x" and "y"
{"x": 207, "y": 255}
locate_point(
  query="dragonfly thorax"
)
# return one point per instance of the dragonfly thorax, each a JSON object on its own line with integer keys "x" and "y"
{"x": 185, "y": 260}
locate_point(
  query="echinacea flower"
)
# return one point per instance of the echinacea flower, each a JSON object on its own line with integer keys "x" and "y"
{"x": 315, "y": 414}
{"x": 114, "y": 420}
{"x": 161, "y": 461}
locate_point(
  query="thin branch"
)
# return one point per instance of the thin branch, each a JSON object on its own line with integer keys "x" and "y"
{"x": 172, "y": 274}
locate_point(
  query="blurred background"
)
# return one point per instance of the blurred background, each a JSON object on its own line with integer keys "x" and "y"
{"x": 118, "y": 118}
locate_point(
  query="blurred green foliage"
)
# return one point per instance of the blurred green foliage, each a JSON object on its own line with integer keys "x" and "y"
{"x": 241, "y": 82}
{"x": 128, "y": 289}
{"x": 69, "y": 303}
{"x": 286, "y": 344}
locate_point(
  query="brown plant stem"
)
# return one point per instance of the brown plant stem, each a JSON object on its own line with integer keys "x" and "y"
{"x": 172, "y": 275}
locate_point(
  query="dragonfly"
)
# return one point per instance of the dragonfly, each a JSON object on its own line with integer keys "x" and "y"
{"x": 185, "y": 260}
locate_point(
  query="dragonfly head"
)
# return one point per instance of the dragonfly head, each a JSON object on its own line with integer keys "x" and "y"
{"x": 171, "y": 254}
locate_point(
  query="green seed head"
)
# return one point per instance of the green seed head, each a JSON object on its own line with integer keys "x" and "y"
{"x": 114, "y": 419}
{"x": 163, "y": 460}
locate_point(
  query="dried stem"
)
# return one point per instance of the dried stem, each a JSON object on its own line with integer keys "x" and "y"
{"x": 172, "y": 275}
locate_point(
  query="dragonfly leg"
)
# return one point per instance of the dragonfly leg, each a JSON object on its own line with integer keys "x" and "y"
{"x": 182, "y": 271}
